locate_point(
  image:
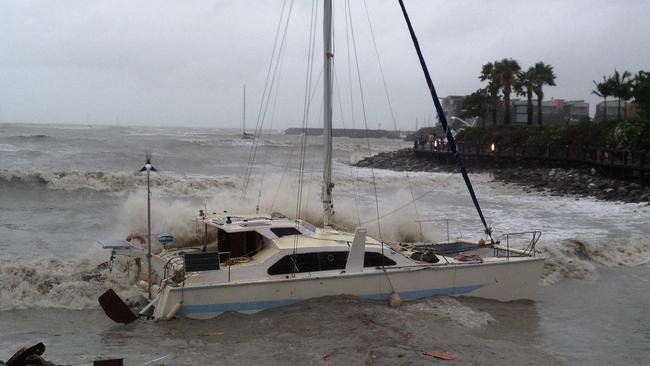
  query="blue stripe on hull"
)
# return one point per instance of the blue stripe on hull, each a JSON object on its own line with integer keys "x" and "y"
{"x": 261, "y": 305}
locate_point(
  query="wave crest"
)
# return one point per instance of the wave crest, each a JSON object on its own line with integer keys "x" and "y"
{"x": 578, "y": 259}
{"x": 118, "y": 182}
{"x": 53, "y": 283}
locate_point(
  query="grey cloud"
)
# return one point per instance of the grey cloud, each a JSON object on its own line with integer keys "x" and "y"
{"x": 184, "y": 62}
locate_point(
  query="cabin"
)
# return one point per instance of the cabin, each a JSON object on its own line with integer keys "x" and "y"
{"x": 250, "y": 247}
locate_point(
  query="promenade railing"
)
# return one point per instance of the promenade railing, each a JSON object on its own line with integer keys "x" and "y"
{"x": 551, "y": 153}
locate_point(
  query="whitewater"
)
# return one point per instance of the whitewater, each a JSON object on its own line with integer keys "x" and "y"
{"x": 64, "y": 187}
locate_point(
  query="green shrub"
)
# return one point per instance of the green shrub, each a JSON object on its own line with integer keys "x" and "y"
{"x": 631, "y": 134}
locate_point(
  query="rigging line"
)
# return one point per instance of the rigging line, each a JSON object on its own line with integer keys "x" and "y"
{"x": 258, "y": 131}
{"x": 381, "y": 69}
{"x": 443, "y": 121}
{"x": 390, "y": 105}
{"x": 265, "y": 103}
{"x": 407, "y": 203}
{"x": 365, "y": 121}
{"x": 352, "y": 169}
{"x": 348, "y": 21}
{"x": 266, "y": 82}
{"x": 284, "y": 171}
{"x": 399, "y": 208}
{"x": 308, "y": 80}
{"x": 273, "y": 110}
{"x": 415, "y": 206}
{"x": 306, "y": 104}
{"x": 349, "y": 61}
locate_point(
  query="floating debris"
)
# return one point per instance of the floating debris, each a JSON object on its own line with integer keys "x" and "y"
{"x": 440, "y": 355}
{"x": 29, "y": 356}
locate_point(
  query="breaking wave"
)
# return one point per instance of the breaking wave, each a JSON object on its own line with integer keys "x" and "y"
{"x": 118, "y": 182}
{"x": 579, "y": 259}
{"x": 202, "y": 185}
{"x": 37, "y": 137}
{"x": 53, "y": 283}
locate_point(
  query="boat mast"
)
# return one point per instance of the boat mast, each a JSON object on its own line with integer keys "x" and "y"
{"x": 244, "y": 108}
{"x": 328, "y": 207}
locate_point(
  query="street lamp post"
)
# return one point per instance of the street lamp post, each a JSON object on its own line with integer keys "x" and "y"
{"x": 148, "y": 168}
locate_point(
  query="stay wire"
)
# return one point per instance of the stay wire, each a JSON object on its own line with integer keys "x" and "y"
{"x": 381, "y": 69}
{"x": 365, "y": 121}
{"x": 266, "y": 98}
{"x": 352, "y": 169}
{"x": 273, "y": 110}
{"x": 306, "y": 104}
{"x": 259, "y": 113}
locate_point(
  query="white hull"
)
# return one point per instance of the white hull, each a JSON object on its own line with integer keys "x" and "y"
{"x": 506, "y": 280}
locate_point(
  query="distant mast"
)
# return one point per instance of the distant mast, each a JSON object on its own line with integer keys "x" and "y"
{"x": 328, "y": 207}
{"x": 245, "y": 135}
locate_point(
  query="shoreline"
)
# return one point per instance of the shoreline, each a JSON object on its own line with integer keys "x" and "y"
{"x": 554, "y": 181}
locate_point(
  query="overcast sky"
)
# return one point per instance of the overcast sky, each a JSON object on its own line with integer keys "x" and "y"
{"x": 183, "y": 63}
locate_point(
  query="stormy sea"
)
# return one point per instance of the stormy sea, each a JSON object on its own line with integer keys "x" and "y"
{"x": 63, "y": 187}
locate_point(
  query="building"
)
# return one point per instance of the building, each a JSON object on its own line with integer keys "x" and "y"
{"x": 612, "y": 110}
{"x": 576, "y": 110}
{"x": 554, "y": 111}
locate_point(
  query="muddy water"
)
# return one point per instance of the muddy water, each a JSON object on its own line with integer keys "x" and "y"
{"x": 63, "y": 187}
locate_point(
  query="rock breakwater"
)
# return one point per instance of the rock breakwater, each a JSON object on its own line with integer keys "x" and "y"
{"x": 554, "y": 181}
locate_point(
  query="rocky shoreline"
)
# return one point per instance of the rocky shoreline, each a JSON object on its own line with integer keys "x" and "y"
{"x": 554, "y": 181}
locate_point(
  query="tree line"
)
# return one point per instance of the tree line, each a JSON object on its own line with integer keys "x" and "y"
{"x": 505, "y": 77}
{"x": 625, "y": 87}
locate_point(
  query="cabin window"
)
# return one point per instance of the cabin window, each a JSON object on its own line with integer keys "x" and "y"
{"x": 306, "y": 262}
{"x": 323, "y": 261}
{"x": 285, "y": 231}
{"x": 371, "y": 259}
{"x": 240, "y": 244}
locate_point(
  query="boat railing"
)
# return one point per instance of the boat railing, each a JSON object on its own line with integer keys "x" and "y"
{"x": 446, "y": 221}
{"x": 181, "y": 257}
{"x": 527, "y": 251}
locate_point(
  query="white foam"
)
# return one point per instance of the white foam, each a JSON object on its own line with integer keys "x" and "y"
{"x": 450, "y": 308}
{"x": 53, "y": 283}
{"x": 120, "y": 182}
{"x": 9, "y": 148}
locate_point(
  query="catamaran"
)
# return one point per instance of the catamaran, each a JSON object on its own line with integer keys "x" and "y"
{"x": 261, "y": 261}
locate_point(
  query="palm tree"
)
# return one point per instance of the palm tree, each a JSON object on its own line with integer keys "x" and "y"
{"x": 524, "y": 87}
{"x": 621, "y": 84}
{"x": 507, "y": 70}
{"x": 542, "y": 75}
{"x": 641, "y": 93}
{"x": 475, "y": 105}
{"x": 604, "y": 90}
{"x": 488, "y": 73}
